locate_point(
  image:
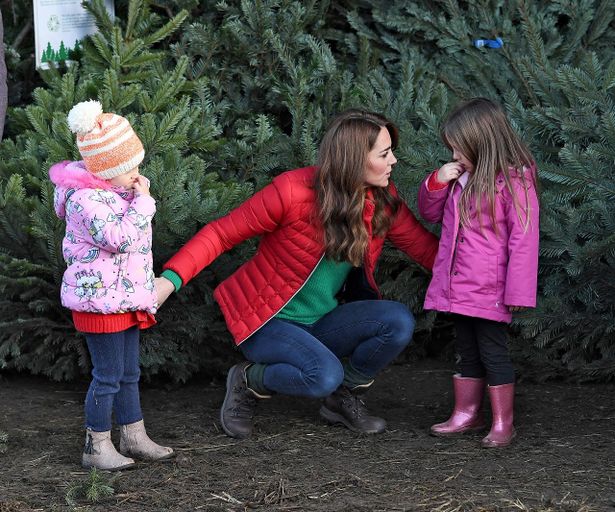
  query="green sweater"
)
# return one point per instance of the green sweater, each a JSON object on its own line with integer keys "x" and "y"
{"x": 317, "y": 297}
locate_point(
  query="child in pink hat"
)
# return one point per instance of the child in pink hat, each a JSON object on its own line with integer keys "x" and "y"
{"x": 109, "y": 281}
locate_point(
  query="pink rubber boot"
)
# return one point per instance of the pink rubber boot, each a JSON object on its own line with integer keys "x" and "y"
{"x": 502, "y": 430}
{"x": 467, "y": 415}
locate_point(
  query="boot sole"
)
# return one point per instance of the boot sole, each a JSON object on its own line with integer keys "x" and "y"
{"x": 118, "y": 468}
{"x": 227, "y": 431}
{"x": 459, "y": 433}
{"x": 493, "y": 444}
{"x": 139, "y": 457}
{"x": 337, "y": 419}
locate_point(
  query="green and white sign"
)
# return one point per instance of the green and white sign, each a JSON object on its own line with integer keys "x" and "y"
{"x": 59, "y": 27}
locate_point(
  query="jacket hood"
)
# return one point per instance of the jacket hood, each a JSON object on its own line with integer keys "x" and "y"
{"x": 70, "y": 176}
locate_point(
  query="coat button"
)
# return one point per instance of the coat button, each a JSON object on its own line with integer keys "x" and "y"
{"x": 455, "y": 273}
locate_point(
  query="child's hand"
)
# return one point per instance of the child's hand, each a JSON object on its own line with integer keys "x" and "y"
{"x": 141, "y": 186}
{"x": 516, "y": 309}
{"x": 450, "y": 171}
{"x": 164, "y": 288}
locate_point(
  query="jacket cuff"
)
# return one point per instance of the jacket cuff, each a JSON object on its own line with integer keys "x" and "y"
{"x": 520, "y": 301}
{"x": 434, "y": 184}
{"x": 144, "y": 204}
{"x": 173, "y": 277}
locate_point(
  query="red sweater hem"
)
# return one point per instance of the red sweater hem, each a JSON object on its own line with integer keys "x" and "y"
{"x": 97, "y": 323}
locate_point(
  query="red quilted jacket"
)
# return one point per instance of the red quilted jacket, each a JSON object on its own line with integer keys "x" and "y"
{"x": 285, "y": 215}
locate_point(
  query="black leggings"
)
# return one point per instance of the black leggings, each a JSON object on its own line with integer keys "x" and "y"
{"x": 482, "y": 350}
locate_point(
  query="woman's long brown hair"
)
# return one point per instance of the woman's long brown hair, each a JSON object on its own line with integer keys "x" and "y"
{"x": 480, "y": 130}
{"x": 341, "y": 189}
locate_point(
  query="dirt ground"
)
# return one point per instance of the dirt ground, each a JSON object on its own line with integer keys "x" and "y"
{"x": 563, "y": 458}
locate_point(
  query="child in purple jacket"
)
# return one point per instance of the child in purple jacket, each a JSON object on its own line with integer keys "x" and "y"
{"x": 109, "y": 281}
{"x": 487, "y": 261}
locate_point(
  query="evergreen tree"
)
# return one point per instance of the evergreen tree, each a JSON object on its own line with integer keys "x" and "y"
{"x": 47, "y": 53}
{"x": 22, "y": 76}
{"x": 268, "y": 64}
{"x": 74, "y": 53}
{"x": 3, "y": 87}
{"x": 292, "y": 74}
{"x": 574, "y": 324}
{"x": 243, "y": 92}
{"x": 554, "y": 74}
{"x": 243, "y": 102}
{"x": 122, "y": 69}
{"x": 62, "y": 53}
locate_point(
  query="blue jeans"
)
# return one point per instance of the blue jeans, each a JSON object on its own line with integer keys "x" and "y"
{"x": 304, "y": 360}
{"x": 115, "y": 379}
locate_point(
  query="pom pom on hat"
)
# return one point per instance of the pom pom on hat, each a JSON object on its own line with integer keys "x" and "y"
{"x": 83, "y": 116}
{"x": 107, "y": 143}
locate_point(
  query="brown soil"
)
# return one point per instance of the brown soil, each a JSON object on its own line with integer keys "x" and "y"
{"x": 563, "y": 458}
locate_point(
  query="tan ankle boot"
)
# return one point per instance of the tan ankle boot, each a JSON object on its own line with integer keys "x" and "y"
{"x": 135, "y": 441}
{"x": 100, "y": 453}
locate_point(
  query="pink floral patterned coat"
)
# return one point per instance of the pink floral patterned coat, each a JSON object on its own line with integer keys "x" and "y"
{"x": 108, "y": 243}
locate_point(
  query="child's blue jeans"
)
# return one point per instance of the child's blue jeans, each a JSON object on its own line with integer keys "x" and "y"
{"x": 304, "y": 360}
{"x": 115, "y": 379}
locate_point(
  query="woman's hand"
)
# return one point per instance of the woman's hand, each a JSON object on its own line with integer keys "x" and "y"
{"x": 450, "y": 171}
{"x": 164, "y": 288}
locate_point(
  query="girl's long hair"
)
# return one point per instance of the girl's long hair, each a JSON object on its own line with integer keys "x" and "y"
{"x": 480, "y": 130}
{"x": 341, "y": 189}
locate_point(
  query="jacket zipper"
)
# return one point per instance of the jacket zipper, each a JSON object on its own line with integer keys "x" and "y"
{"x": 455, "y": 238}
{"x": 284, "y": 305}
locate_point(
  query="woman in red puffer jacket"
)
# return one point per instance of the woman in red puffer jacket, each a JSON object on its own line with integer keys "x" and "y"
{"x": 322, "y": 230}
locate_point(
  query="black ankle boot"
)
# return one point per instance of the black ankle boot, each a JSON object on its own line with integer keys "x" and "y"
{"x": 345, "y": 407}
{"x": 237, "y": 412}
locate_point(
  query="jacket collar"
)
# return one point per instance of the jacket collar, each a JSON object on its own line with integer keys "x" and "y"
{"x": 463, "y": 179}
{"x": 500, "y": 182}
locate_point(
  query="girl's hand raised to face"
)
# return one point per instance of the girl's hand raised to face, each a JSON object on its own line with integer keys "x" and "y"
{"x": 141, "y": 186}
{"x": 450, "y": 171}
